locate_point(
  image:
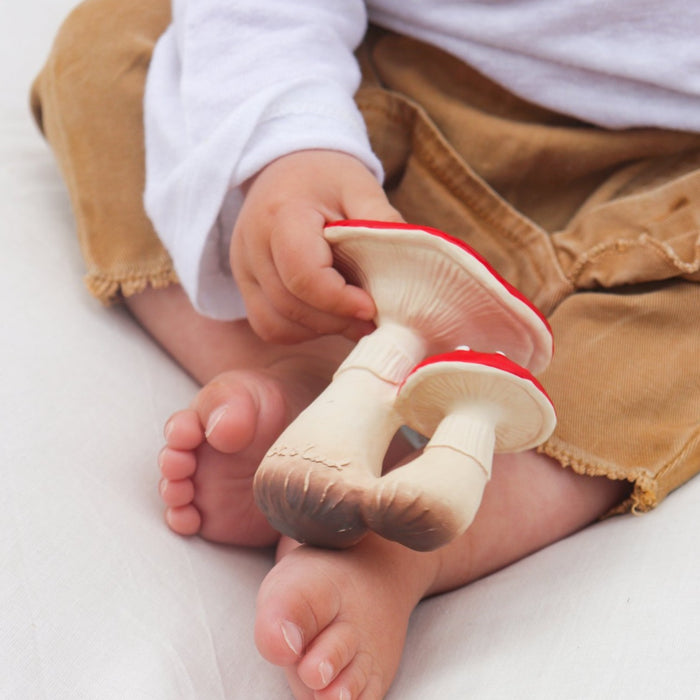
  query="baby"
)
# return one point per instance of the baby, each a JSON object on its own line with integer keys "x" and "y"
{"x": 249, "y": 153}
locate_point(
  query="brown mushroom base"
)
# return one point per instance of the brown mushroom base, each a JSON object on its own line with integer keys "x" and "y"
{"x": 427, "y": 503}
{"x": 311, "y": 502}
{"x": 422, "y": 505}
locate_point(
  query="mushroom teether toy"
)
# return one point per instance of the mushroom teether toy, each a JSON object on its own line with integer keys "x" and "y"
{"x": 472, "y": 404}
{"x": 432, "y": 294}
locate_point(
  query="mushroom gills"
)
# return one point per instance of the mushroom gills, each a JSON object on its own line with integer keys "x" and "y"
{"x": 436, "y": 284}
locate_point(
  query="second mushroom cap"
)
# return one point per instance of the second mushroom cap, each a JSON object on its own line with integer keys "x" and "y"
{"x": 482, "y": 384}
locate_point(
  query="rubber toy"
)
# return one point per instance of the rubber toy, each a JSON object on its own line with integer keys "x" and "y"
{"x": 452, "y": 357}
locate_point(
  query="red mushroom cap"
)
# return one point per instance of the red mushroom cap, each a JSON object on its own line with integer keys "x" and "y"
{"x": 451, "y": 239}
{"x": 443, "y": 384}
{"x": 424, "y": 278}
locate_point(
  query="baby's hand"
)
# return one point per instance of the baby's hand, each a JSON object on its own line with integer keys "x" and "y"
{"x": 280, "y": 260}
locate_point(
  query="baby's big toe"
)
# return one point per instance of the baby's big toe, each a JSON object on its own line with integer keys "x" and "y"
{"x": 294, "y": 606}
{"x": 229, "y": 411}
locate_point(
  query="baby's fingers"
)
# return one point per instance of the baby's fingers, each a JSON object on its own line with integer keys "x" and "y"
{"x": 304, "y": 262}
{"x": 274, "y": 326}
{"x": 278, "y": 317}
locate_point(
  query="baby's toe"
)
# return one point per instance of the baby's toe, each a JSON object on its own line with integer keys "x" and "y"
{"x": 293, "y": 609}
{"x": 230, "y": 426}
{"x": 183, "y": 431}
{"x": 177, "y": 493}
{"x": 184, "y": 520}
{"x": 332, "y": 651}
{"x": 176, "y": 464}
{"x": 357, "y": 681}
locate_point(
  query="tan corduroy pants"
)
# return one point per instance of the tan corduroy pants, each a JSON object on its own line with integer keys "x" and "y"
{"x": 600, "y": 229}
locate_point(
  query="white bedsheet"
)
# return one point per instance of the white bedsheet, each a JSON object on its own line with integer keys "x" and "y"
{"x": 100, "y": 601}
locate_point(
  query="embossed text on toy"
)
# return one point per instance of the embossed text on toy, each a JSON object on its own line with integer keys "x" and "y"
{"x": 307, "y": 455}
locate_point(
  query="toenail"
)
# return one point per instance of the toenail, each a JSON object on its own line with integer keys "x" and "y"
{"x": 326, "y": 672}
{"x": 344, "y": 694}
{"x": 168, "y": 428}
{"x": 293, "y": 636}
{"x": 214, "y": 419}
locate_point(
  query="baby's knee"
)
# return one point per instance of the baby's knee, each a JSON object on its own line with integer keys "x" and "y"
{"x": 103, "y": 47}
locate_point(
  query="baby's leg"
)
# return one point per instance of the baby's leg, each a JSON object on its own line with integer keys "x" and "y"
{"x": 337, "y": 620}
{"x": 205, "y": 348}
{"x": 252, "y": 391}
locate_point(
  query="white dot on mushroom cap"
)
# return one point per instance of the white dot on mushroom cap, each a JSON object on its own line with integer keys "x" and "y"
{"x": 468, "y": 349}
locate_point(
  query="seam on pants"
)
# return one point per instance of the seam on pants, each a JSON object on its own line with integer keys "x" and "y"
{"x": 620, "y": 246}
{"x": 467, "y": 187}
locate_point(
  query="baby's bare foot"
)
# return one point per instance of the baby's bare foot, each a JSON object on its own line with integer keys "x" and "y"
{"x": 213, "y": 449}
{"x": 337, "y": 620}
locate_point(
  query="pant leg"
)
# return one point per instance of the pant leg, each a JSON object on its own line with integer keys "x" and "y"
{"x": 87, "y": 101}
{"x": 626, "y": 383}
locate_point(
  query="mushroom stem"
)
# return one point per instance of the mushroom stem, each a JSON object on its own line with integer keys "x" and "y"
{"x": 350, "y": 425}
{"x": 429, "y": 501}
{"x": 439, "y": 492}
{"x": 390, "y": 352}
{"x": 469, "y": 431}
{"x": 312, "y": 480}
{"x": 347, "y": 429}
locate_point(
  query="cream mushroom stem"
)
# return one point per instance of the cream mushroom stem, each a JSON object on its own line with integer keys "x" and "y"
{"x": 469, "y": 430}
{"x": 312, "y": 480}
{"x": 390, "y": 352}
{"x": 472, "y": 404}
{"x": 434, "y": 498}
{"x": 354, "y": 421}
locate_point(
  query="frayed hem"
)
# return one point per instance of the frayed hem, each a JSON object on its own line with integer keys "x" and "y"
{"x": 644, "y": 496}
{"x": 111, "y": 289}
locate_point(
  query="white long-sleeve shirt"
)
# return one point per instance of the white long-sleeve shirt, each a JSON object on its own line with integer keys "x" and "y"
{"x": 234, "y": 85}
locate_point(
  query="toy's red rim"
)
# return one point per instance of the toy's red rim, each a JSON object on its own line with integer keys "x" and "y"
{"x": 367, "y": 223}
{"x": 484, "y": 359}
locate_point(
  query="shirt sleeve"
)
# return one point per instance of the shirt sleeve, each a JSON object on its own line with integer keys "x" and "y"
{"x": 232, "y": 86}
